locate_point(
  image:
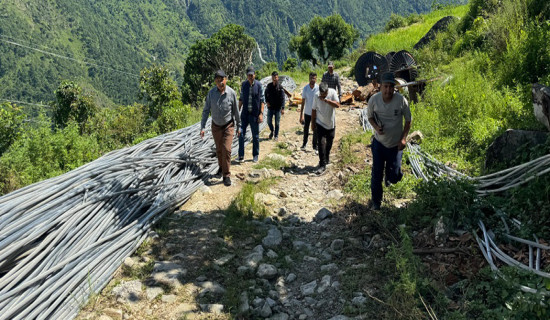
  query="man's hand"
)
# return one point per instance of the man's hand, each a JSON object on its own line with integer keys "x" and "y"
{"x": 301, "y": 119}
{"x": 261, "y": 117}
{"x": 282, "y": 111}
{"x": 313, "y": 125}
{"x": 202, "y": 134}
{"x": 379, "y": 130}
{"x": 402, "y": 144}
{"x": 238, "y": 132}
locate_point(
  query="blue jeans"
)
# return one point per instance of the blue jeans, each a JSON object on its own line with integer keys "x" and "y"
{"x": 277, "y": 114}
{"x": 386, "y": 160}
{"x": 255, "y": 128}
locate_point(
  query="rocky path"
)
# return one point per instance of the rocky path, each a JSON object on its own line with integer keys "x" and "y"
{"x": 301, "y": 260}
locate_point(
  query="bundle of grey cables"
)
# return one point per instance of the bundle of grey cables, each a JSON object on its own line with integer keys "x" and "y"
{"x": 62, "y": 239}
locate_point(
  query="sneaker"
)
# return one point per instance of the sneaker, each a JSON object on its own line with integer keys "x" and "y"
{"x": 240, "y": 159}
{"x": 255, "y": 159}
{"x": 387, "y": 183}
{"x": 226, "y": 181}
{"x": 218, "y": 174}
{"x": 373, "y": 206}
{"x": 270, "y": 135}
{"x": 321, "y": 170}
{"x": 303, "y": 148}
{"x": 276, "y": 139}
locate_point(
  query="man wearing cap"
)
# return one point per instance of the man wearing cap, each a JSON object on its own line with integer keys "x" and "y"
{"x": 386, "y": 111}
{"x": 323, "y": 120}
{"x": 221, "y": 103}
{"x": 332, "y": 79}
{"x": 251, "y": 104}
{"x": 275, "y": 100}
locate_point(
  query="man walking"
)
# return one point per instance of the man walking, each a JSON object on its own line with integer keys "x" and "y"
{"x": 275, "y": 100}
{"x": 251, "y": 104}
{"x": 323, "y": 119}
{"x": 221, "y": 103}
{"x": 309, "y": 94}
{"x": 332, "y": 79}
{"x": 386, "y": 111}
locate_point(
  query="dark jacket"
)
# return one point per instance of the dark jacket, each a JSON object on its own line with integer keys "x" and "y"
{"x": 275, "y": 96}
{"x": 257, "y": 95}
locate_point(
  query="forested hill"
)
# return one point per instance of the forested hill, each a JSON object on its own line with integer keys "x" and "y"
{"x": 119, "y": 38}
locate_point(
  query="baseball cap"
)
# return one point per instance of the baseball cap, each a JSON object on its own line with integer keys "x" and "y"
{"x": 250, "y": 70}
{"x": 220, "y": 73}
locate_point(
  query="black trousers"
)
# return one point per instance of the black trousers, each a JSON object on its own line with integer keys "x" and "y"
{"x": 325, "y": 137}
{"x": 307, "y": 122}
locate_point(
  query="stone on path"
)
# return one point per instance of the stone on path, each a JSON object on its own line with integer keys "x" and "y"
{"x": 128, "y": 292}
{"x": 308, "y": 288}
{"x": 273, "y": 238}
{"x": 267, "y": 271}
{"x": 212, "y": 308}
{"x": 335, "y": 194}
{"x": 153, "y": 292}
{"x": 168, "y": 273}
{"x": 210, "y": 287}
{"x": 323, "y": 214}
{"x": 337, "y": 245}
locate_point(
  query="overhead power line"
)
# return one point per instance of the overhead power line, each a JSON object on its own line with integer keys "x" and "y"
{"x": 67, "y": 58}
{"x": 24, "y": 102}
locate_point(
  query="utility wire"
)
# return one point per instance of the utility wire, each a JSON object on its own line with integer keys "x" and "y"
{"x": 23, "y": 102}
{"x": 68, "y": 58}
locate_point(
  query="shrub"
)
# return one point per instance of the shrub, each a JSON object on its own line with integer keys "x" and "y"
{"x": 266, "y": 70}
{"x": 40, "y": 154}
{"x": 11, "y": 119}
{"x": 290, "y": 64}
{"x": 395, "y": 22}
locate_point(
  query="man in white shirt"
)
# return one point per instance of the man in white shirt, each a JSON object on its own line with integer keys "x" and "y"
{"x": 309, "y": 93}
{"x": 323, "y": 120}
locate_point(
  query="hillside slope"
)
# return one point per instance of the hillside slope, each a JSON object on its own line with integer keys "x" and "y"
{"x": 129, "y": 35}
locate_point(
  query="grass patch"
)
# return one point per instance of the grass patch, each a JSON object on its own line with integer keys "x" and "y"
{"x": 244, "y": 208}
{"x": 138, "y": 272}
{"x": 282, "y": 148}
{"x": 405, "y": 38}
{"x": 351, "y": 145}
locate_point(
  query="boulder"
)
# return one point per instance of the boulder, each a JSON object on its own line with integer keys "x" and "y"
{"x": 505, "y": 148}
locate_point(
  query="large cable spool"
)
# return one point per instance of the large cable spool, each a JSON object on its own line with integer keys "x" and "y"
{"x": 389, "y": 55}
{"x": 370, "y": 66}
{"x": 403, "y": 65}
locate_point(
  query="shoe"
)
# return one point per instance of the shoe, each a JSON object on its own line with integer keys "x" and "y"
{"x": 270, "y": 135}
{"x": 315, "y": 148}
{"x": 240, "y": 159}
{"x": 226, "y": 181}
{"x": 218, "y": 174}
{"x": 321, "y": 170}
{"x": 255, "y": 159}
{"x": 303, "y": 148}
{"x": 276, "y": 139}
{"x": 373, "y": 206}
{"x": 387, "y": 183}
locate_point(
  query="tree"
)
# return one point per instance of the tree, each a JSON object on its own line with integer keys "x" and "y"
{"x": 323, "y": 39}
{"x": 157, "y": 88}
{"x": 72, "y": 104}
{"x": 11, "y": 118}
{"x": 229, "y": 49}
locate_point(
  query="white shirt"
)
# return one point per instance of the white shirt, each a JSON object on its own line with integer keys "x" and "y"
{"x": 326, "y": 115}
{"x": 309, "y": 95}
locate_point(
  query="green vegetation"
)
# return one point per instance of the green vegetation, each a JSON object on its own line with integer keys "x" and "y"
{"x": 78, "y": 132}
{"x": 113, "y": 40}
{"x": 323, "y": 39}
{"x": 483, "y": 66}
{"x": 229, "y": 49}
